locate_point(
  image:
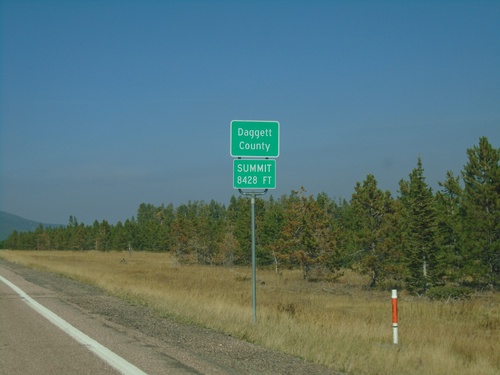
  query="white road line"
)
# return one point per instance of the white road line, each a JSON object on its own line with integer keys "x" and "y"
{"x": 101, "y": 351}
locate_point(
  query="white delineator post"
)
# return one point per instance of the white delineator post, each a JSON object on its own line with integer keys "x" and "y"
{"x": 394, "y": 316}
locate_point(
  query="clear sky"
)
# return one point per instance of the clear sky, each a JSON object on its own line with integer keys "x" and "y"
{"x": 105, "y": 105}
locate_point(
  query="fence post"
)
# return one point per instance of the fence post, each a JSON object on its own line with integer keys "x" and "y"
{"x": 395, "y": 316}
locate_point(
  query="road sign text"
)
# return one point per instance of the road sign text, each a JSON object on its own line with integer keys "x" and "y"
{"x": 254, "y": 138}
{"x": 254, "y": 174}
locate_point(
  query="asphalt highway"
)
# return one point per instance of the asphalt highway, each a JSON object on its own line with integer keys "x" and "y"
{"x": 30, "y": 343}
{"x": 53, "y": 325}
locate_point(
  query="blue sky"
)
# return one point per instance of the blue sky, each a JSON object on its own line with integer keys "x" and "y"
{"x": 108, "y": 104}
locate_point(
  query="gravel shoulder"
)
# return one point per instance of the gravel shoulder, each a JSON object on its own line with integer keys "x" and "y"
{"x": 205, "y": 350}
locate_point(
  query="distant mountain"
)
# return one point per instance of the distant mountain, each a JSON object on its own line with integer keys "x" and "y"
{"x": 10, "y": 223}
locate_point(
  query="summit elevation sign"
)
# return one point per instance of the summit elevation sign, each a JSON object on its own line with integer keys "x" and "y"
{"x": 254, "y": 174}
{"x": 255, "y": 144}
{"x": 255, "y": 139}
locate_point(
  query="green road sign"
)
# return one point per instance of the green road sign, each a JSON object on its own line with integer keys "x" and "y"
{"x": 254, "y": 174}
{"x": 259, "y": 139}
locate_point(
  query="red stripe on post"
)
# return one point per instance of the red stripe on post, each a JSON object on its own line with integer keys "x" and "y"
{"x": 394, "y": 309}
{"x": 395, "y": 316}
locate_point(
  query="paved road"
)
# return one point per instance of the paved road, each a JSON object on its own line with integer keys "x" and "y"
{"x": 31, "y": 344}
{"x": 149, "y": 343}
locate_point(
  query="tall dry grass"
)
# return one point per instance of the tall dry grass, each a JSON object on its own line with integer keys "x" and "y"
{"x": 339, "y": 325}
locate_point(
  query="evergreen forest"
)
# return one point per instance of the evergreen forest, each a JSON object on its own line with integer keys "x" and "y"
{"x": 434, "y": 243}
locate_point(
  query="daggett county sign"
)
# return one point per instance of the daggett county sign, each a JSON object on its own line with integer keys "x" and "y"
{"x": 254, "y": 174}
{"x": 259, "y": 139}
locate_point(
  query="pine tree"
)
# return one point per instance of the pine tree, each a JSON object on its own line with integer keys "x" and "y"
{"x": 308, "y": 239}
{"x": 118, "y": 238}
{"x": 239, "y": 225}
{"x": 481, "y": 204}
{"x": 271, "y": 228}
{"x": 374, "y": 228}
{"x": 130, "y": 228}
{"x": 147, "y": 227}
{"x": 181, "y": 234}
{"x": 449, "y": 228}
{"x": 165, "y": 216}
{"x": 420, "y": 234}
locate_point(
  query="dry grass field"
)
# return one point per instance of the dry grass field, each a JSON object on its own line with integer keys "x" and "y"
{"x": 341, "y": 325}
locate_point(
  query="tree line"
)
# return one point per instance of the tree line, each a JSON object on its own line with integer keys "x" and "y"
{"x": 418, "y": 240}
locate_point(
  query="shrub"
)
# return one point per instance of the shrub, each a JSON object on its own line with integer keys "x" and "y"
{"x": 446, "y": 292}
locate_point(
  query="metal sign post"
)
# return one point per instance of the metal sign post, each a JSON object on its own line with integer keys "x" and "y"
{"x": 254, "y": 262}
